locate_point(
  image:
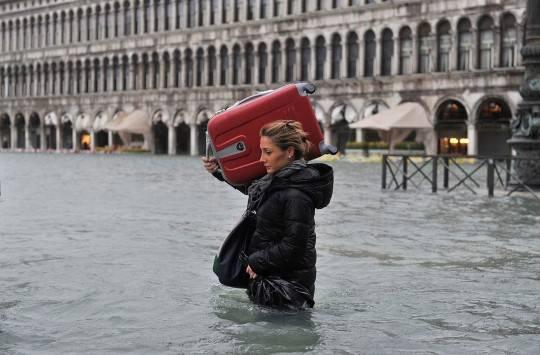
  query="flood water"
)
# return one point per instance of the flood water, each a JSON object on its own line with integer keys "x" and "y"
{"x": 112, "y": 254}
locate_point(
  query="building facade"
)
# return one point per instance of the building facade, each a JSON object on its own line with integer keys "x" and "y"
{"x": 68, "y": 67}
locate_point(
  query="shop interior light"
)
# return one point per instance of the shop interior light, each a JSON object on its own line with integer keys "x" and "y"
{"x": 454, "y": 141}
{"x": 464, "y": 141}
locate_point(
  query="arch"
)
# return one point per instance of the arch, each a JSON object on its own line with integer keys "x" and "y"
{"x": 212, "y": 63}
{"x": 20, "y": 125}
{"x": 509, "y": 40}
{"x": 183, "y": 133}
{"x": 405, "y": 50}
{"x": 290, "y": 59}
{"x": 262, "y": 52}
{"x": 236, "y": 62}
{"x": 387, "y": 52}
{"x": 160, "y": 131}
{"x": 199, "y": 67}
{"x": 444, "y": 45}
{"x": 465, "y": 44}
{"x": 493, "y": 116}
{"x": 5, "y": 131}
{"x": 35, "y": 132}
{"x": 370, "y": 49}
{"x": 424, "y": 48}
{"x": 486, "y": 41}
{"x": 451, "y": 127}
{"x": 320, "y": 57}
{"x": 66, "y": 130}
{"x": 336, "y": 56}
{"x": 352, "y": 54}
{"x": 50, "y": 125}
{"x": 249, "y": 62}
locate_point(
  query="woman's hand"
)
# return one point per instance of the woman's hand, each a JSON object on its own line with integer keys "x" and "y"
{"x": 251, "y": 273}
{"x": 210, "y": 164}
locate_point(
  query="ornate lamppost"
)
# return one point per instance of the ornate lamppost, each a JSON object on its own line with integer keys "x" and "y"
{"x": 526, "y": 125}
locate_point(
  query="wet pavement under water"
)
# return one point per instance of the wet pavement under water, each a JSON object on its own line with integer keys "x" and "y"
{"x": 112, "y": 254}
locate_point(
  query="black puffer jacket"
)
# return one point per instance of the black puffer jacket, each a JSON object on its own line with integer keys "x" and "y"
{"x": 283, "y": 243}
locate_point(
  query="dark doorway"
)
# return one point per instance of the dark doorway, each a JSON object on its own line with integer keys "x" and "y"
{"x": 493, "y": 124}
{"x": 67, "y": 135}
{"x": 35, "y": 131}
{"x": 161, "y": 137}
{"x": 20, "y": 126}
{"x": 182, "y": 138}
{"x": 5, "y": 132}
{"x": 451, "y": 128}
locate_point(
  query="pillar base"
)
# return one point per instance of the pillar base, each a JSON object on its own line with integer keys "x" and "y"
{"x": 527, "y": 171}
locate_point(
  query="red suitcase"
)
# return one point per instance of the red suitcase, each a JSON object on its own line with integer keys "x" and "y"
{"x": 233, "y": 135}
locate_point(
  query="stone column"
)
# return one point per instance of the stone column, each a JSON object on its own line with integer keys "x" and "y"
{"x": 27, "y": 142}
{"x": 454, "y": 51}
{"x": 472, "y": 135}
{"x": 75, "y": 138}
{"x": 359, "y": 135}
{"x": 327, "y": 133}
{"x": 343, "y": 55}
{"x": 92, "y": 141}
{"x": 43, "y": 143}
{"x": 361, "y": 58}
{"x": 415, "y": 53}
{"x": 13, "y": 135}
{"x": 121, "y": 21}
{"x": 377, "y": 68}
{"x": 395, "y": 57}
{"x": 328, "y": 62}
{"x": 110, "y": 139}
{"x": 172, "y": 140}
{"x": 474, "y": 49}
{"x": 59, "y": 140}
{"x": 194, "y": 137}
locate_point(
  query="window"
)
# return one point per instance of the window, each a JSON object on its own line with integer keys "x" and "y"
{"x": 369, "y": 57}
{"x": 276, "y": 61}
{"x": 320, "y": 57}
{"x": 509, "y": 41}
{"x": 424, "y": 48}
{"x": 249, "y": 62}
{"x": 127, "y": 19}
{"x": 189, "y": 68}
{"x": 277, "y": 7}
{"x": 236, "y": 9}
{"x": 213, "y": 10}
{"x": 263, "y": 62}
{"x": 486, "y": 41}
{"x": 250, "y": 9}
{"x": 263, "y": 8}
{"x": 444, "y": 45}
{"x": 158, "y": 15}
{"x": 290, "y": 60}
{"x": 190, "y": 13}
{"x": 336, "y": 57}
{"x": 405, "y": 51}
{"x": 387, "y": 52}
{"x": 199, "y": 67}
{"x": 167, "y": 17}
{"x": 116, "y": 20}
{"x": 352, "y": 54}
{"x": 211, "y": 65}
{"x": 201, "y": 12}
{"x": 116, "y": 75}
{"x": 136, "y": 16}
{"x": 236, "y": 65}
{"x": 97, "y": 25}
{"x": 106, "y": 27}
{"x": 290, "y": 7}
{"x": 180, "y": 12}
{"x": 155, "y": 71}
{"x": 177, "y": 68}
{"x": 146, "y": 16}
{"x": 464, "y": 44}
{"x": 224, "y": 9}
{"x": 224, "y": 59}
{"x": 305, "y": 57}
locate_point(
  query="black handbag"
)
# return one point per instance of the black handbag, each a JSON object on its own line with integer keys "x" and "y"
{"x": 231, "y": 262}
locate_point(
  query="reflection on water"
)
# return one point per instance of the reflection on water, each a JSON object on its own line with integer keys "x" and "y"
{"x": 109, "y": 254}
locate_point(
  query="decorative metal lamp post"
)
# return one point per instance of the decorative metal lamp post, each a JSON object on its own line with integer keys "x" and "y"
{"x": 526, "y": 125}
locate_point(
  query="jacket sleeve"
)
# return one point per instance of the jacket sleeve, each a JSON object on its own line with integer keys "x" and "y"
{"x": 242, "y": 188}
{"x": 287, "y": 255}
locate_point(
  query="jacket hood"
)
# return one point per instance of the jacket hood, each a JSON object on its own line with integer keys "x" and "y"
{"x": 316, "y": 180}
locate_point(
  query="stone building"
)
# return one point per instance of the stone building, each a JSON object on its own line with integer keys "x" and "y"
{"x": 68, "y": 68}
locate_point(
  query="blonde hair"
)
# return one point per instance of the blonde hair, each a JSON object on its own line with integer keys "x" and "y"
{"x": 287, "y": 133}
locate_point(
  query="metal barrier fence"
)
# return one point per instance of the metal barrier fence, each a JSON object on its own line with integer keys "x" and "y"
{"x": 400, "y": 170}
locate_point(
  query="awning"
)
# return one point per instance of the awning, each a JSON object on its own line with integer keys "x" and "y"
{"x": 134, "y": 122}
{"x": 407, "y": 115}
{"x": 396, "y": 123}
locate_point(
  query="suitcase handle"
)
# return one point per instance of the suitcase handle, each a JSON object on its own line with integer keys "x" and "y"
{"x": 327, "y": 149}
{"x": 249, "y": 98}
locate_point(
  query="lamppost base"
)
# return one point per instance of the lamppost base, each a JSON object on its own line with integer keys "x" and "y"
{"x": 527, "y": 166}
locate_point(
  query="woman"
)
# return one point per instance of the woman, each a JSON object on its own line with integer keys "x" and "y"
{"x": 282, "y": 250}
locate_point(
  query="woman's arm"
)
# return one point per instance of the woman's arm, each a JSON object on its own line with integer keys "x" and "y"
{"x": 211, "y": 165}
{"x": 289, "y": 252}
